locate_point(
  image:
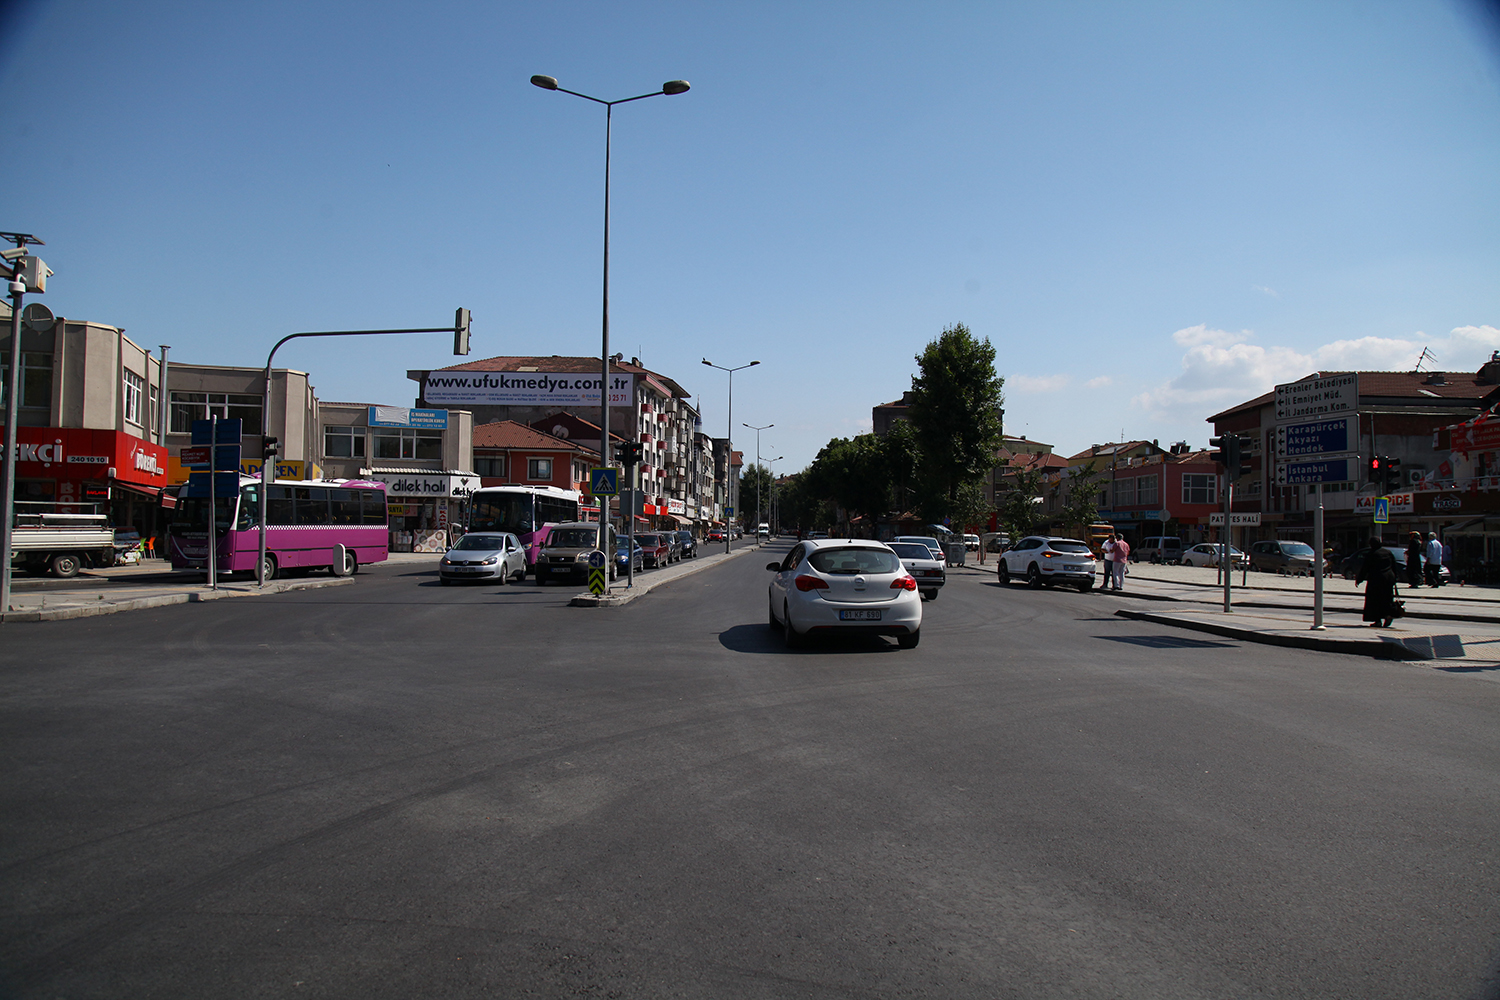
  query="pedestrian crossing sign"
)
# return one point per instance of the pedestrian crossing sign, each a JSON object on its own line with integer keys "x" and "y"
{"x": 604, "y": 482}
{"x": 1382, "y": 507}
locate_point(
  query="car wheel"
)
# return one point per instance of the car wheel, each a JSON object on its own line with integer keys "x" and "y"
{"x": 771, "y": 617}
{"x": 1034, "y": 577}
{"x": 789, "y": 635}
{"x": 910, "y": 640}
{"x": 931, "y": 595}
{"x": 541, "y": 580}
{"x": 443, "y": 580}
{"x": 1085, "y": 587}
{"x": 1003, "y": 572}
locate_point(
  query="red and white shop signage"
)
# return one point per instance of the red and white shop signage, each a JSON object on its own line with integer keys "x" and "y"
{"x": 1401, "y": 503}
{"x": 74, "y": 453}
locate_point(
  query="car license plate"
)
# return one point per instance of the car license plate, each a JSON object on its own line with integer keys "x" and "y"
{"x": 860, "y": 615}
{"x": 1072, "y": 569}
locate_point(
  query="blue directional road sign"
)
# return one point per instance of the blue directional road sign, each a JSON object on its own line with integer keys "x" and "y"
{"x": 604, "y": 482}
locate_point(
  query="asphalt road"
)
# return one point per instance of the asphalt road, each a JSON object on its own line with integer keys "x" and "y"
{"x": 396, "y": 789}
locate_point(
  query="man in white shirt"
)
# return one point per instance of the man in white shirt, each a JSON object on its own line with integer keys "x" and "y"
{"x": 1433, "y": 560}
{"x": 1109, "y": 559}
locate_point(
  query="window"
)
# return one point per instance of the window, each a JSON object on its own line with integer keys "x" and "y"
{"x": 185, "y": 407}
{"x": 135, "y": 389}
{"x": 1199, "y": 488}
{"x": 1125, "y": 492}
{"x": 1145, "y": 489}
{"x": 344, "y": 442}
{"x": 407, "y": 442}
{"x": 155, "y": 415}
{"x": 539, "y": 468}
{"x": 490, "y": 465}
{"x": 36, "y": 387}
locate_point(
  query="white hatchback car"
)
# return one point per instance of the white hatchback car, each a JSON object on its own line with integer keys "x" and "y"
{"x": 837, "y": 585}
{"x": 1208, "y": 553}
{"x": 1043, "y": 560}
{"x": 930, "y": 573}
{"x": 484, "y": 555}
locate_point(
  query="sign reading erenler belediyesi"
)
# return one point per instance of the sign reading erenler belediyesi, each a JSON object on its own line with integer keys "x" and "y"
{"x": 525, "y": 388}
{"x": 1317, "y": 397}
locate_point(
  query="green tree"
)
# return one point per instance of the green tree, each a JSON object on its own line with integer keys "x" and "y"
{"x": 1081, "y": 501}
{"x": 955, "y": 414}
{"x": 756, "y": 477}
{"x": 1020, "y": 506}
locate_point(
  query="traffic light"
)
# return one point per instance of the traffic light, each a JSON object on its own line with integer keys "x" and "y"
{"x": 269, "y": 448}
{"x": 1377, "y": 470}
{"x": 1392, "y": 474}
{"x": 630, "y": 453}
{"x": 1227, "y": 453}
{"x": 461, "y": 332}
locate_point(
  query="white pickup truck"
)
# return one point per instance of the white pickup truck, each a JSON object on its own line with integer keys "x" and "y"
{"x": 62, "y": 544}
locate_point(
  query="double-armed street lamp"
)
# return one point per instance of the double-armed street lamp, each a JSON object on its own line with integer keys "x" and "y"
{"x": 758, "y": 467}
{"x": 729, "y": 444}
{"x": 670, "y": 87}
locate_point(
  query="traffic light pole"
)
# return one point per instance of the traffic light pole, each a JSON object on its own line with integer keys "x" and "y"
{"x": 1317, "y": 625}
{"x": 460, "y": 331}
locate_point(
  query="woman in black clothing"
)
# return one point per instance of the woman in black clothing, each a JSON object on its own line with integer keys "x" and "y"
{"x": 1379, "y": 568}
{"x": 1414, "y": 560}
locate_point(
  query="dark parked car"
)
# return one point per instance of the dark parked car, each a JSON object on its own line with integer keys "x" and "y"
{"x": 636, "y": 562}
{"x": 655, "y": 548}
{"x": 1280, "y": 556}
{"x": 1349, "y": 567}
{"x": 688, "y": 544}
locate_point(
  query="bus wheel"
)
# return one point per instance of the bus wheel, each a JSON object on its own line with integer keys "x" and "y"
{"x": 269, "y": 573}
{"x": 65, "y": 564}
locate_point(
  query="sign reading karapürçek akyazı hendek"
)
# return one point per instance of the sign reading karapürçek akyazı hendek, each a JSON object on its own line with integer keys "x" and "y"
{"x": 1322, "y": 396}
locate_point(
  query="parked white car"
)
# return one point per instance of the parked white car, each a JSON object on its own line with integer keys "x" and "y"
{"x": 929, "y": 573}
{"x": 938, "y": 552}
{"x": 1041, "y": 560}
{"x": 971, "y": 542}
{"x": 838, "y": 585}
{"x": 484, "y": 555}
{"x": 1208, "y": 553}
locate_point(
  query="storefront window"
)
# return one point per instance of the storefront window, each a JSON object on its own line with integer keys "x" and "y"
{"x": 344, "y": 442}
{"x": 1145, "y": 489}
{"x": 406, "y": 442}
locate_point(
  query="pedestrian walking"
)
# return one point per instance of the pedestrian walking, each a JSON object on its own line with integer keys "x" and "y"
{"x": 1122, "y": 559}
{"x": 1414, "y": 560}
{"x": 1109, "y": 562}
{"x": 1378, "y": 573}
{"x": 1433, "y": 568}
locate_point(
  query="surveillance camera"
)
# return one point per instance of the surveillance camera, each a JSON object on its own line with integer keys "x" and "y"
{"x": 13, "y": 254}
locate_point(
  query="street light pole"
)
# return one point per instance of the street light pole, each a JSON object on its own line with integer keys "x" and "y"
{"x": 729, "y": 443}
{"x": 770, "y": 472}
{"x": 12, "y": 406}
{"x": 670, "y": 87}
{"x": 758, "y": 467}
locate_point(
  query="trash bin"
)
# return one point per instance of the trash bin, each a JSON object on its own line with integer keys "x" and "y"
{"x": 956, "y": 553}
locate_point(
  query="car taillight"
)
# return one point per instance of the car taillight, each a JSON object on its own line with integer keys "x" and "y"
{"x": 904, "y": 583}
{"x": 805, "y": 583}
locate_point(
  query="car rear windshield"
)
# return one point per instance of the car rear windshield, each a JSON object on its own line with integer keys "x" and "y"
{"x": 573, "y": 538}
{"x": 1296, "y": 548}
{"x": 1065, "y": 545}
{"x": 911, "y": 550}
{"x": 849, "y": 561}
{"x": 481, "y": 543}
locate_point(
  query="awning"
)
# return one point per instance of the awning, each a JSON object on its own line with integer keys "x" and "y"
{"x": 154, "y": 493}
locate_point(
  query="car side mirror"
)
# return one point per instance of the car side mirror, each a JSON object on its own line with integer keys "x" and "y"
{"x": 774, "y": 567}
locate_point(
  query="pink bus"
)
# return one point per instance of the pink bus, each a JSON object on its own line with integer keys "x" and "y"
{"x": 304, "y": 521}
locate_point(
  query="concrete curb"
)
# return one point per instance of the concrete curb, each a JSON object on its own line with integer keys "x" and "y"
{"x": 644, "y": 585}
{"x": 105, "y": 607}
{"x": 1378, "y": 647}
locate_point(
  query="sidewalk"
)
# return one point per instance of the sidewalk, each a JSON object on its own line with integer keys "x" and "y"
{"x": 1457, "y": 627}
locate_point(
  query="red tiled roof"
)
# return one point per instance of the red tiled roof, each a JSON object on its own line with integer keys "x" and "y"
{"x": 1413, "y": 386}
{"x": 510, "y": 434}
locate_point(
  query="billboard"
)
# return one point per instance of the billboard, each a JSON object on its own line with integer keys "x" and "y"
{"x": 560, "y": 389}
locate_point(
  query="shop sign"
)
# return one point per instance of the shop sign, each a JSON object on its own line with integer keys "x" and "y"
{"x": 560, "y": 389}
{"x": 1399, "y": 503}
{"x": 400, "y": 416}
{"x": 676, "y": 507}
{"x": 1236, "y": 520}
{"x": 90, "y": 454}
{"x": 427, "y": 486}
{"x": 1479, "y": 435}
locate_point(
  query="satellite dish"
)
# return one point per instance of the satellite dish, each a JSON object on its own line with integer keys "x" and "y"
{"x": 558, "y": 430}
{"x": 38, "y": 318}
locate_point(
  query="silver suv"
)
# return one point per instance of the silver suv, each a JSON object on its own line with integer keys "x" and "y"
{"x": 565, "y": 553}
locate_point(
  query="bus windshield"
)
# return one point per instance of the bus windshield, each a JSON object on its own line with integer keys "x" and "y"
{"x": 513, "y": 512}
{"x": 191, "y": 515}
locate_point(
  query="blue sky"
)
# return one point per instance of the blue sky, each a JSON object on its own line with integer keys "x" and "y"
{"x": 1152, "y": 210}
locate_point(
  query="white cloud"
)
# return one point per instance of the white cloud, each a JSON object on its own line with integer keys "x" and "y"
{"x": 1267, "y": 291}
{"x": 1100, "y": 382}
{"x": 1037, "y": 383}
{"x": 1221, "y": 369}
